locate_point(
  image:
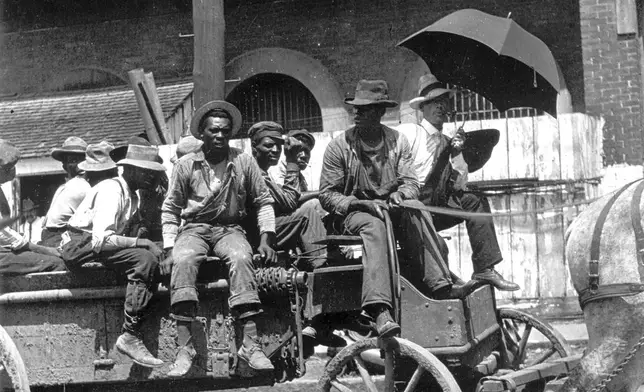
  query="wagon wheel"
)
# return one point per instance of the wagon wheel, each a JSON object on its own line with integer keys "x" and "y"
{"x": 517, "y": 327}
{"x": 13, "y": 368}
{"x": 401, "y": 357}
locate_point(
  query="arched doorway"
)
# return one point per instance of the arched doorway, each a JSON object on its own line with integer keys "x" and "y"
{"x": 279, "y": 98}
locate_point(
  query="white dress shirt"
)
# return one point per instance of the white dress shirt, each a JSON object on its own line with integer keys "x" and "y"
{"x": 433, "y": 142}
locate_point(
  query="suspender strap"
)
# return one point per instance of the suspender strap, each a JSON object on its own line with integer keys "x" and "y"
{"x": 636, "y": 221}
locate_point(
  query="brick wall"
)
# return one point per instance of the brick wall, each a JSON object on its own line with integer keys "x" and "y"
{"x": 353, "y": 39}
{"x": 612, "y": 80}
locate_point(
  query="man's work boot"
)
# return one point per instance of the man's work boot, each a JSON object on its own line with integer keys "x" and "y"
{"x": 313, "y": 337}
{"x": 255, "y": 357}
{"x": 489, "y": 275}
{"x": 134, "y": 348}
{"x": 183, "y": 362}
{"x": 385, "y": 325}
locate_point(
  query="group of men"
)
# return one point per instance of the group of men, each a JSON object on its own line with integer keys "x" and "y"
{"x": 222, "y": 202}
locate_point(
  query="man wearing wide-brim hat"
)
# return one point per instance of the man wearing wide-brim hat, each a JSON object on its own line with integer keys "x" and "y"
{"x": 18, "y": 256}
{"x": 442, "y": 164}
{"x": 211, "y": 190}
{"x": 368, "y": 170}
{"x": 99, "y": 231}
{"x": 69, "y": 195}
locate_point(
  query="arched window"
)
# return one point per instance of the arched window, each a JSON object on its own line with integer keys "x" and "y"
{"x": 471, "y": 106}
{"x": 279, "y": 98}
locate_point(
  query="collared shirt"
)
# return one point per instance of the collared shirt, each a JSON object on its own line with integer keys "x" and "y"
{"x": 341, "y": 169}
{"x": 65, "y": 202}
{"x": 286, "y": 195}
{"x": 106, "y": 213}
{"x": 191, "y": 195}
{"x": 433, "y": 142}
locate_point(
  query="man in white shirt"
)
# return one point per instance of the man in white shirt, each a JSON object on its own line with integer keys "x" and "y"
{"x": 69, "y": 195}
{"x": 100, "y": 231}
{"x": 442, "y": 172}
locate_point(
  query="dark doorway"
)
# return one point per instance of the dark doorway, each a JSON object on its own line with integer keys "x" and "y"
{"x": 279, "y": 98}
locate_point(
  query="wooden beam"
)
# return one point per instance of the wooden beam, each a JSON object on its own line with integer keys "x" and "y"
{"x": 209, "y": 57}
{"x": 152, "y": 126}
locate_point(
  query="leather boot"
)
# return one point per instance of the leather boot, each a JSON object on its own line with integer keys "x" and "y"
{"x": 489, "y": 275}
{"x": 133, "y": 347}
{"x": 183, "y": 362}
{"x": 385, "y": 324}
{"x": 315, "y": 336}
{"x": 251, "y": 351}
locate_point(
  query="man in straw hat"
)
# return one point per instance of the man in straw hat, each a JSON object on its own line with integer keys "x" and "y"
{"x": 18, "y": 256}
{"x": 69, "y": 195}
{"x": 211, "y": 190}
{"x": 441, "y": 166}
{"x": 364, "y": 172}
{"x": 99, "y": 230}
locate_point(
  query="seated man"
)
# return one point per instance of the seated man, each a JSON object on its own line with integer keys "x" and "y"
{"x": 294, "y": 225}
{"x": 18, "y": 256}
{"x": 210, "y": 191}
{"x": 98, "y": 232}
{"x": 442, "y": 172}
{"x": 363, "y": 170}
{"x": 69, "y": 195}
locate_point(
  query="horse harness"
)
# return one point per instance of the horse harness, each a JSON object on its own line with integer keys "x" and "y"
{"x": 595, "y": 291}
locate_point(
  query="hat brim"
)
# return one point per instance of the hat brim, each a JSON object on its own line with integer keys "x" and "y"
{"x": 478, "y": 147}
{"x": 95, "y": 167}
{"x": 156, "y": 166}
{"x": 415, "y": 103}
{"x": 59, "y": 153}
{"x": 364, "y": 102}
{"x": 228, "y": 107}
{"x": 118, "y": 153}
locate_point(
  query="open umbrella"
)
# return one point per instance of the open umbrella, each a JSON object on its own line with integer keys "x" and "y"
{"x": 492, "y": 56}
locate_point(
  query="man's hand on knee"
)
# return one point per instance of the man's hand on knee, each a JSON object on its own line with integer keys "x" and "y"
{"x": 166, "y": 265}
{"x": 373, "y": 207}
{"x": 151, "y": 246}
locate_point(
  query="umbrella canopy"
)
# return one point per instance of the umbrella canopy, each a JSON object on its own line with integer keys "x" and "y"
{"x": 492, "y": 56}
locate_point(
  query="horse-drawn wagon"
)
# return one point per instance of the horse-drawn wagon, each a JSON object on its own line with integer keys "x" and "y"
{"x": 59, "y": 329}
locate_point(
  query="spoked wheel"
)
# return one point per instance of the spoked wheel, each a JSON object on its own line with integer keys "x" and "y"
{"x": 517, "y": 328}
{"x": 407, "y": 367}
{"x": 13, "y": 374}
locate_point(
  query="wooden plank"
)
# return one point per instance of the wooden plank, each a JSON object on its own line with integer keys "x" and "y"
{"x": 548, "y": 163}
{"x": 521, "y": 147}
{"x": 153, "y": 96}
{"x": 525, "y": 266}
{"x": 209, "y": 27}
{"x": 138, "y": 83}
{"x": 497, "y": 167}
{"x": 570, "y": 157}
{"x": 550, "y": 246}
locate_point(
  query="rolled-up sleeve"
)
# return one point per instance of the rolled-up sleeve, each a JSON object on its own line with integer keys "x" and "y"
{"x": 174, "y": 202}
{"x": 333, "y": 180}
{"x": 259, "y": 194}
{"x": 410, "y": 187}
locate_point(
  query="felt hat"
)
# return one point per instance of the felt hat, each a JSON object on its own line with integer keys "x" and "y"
{"x": 478, "y": 147}
{"x": 264, "y": 129}
{"x": 97, "y": 157}
{"x": 371, "y": 92}
{"x": 72, "y": 145}
{"x": 186, "y": 145}
{"x": 303, "y": 134}
{"x": 9, "y": 154}
{"x": 227, "y": 107}
{"x": 429, "y": 88}
{"x": 145, "y": 157}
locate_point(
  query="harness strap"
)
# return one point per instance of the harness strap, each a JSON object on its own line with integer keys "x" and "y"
{"x": 593, "y": 267}
{"x": 595, "y": 291}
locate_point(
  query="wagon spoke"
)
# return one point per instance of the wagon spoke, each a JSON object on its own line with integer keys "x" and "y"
{"x": 523, "y": 342}
{"x": 544, "y": 356}
{"x": 340, "y": 386}
{"x": 389, "y": 370}
{"x": 415, "y": 379}
{"x": 364, "y": 373}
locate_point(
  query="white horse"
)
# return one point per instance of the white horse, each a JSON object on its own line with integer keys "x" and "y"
{"x": 614, "y": 324}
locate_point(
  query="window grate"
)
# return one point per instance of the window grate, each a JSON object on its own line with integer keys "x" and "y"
{"x": 470, "y": 106}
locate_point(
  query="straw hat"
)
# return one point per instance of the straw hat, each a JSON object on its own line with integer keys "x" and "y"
{"x": 97, "y": 157}
{"x": 145, "y": 157}
{"x": 9, "y": 154}
{"x": 186, "y": 145}
{"x": 371, "y": 92}
{"x": 71, "y": 146}
{"x": 429, "y": 88}
{"x": 227, "y": 107}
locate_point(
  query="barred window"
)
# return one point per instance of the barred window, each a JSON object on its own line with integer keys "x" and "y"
{"x": 471, "y": 106}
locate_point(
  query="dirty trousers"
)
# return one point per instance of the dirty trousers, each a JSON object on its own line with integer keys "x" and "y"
{"x": 27, "y": 262}
{"x": 198, "y": 240}
{"x": 485, "y": 247}
{"x": 301, "y": 228}
{"x": 420, "y": 258}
